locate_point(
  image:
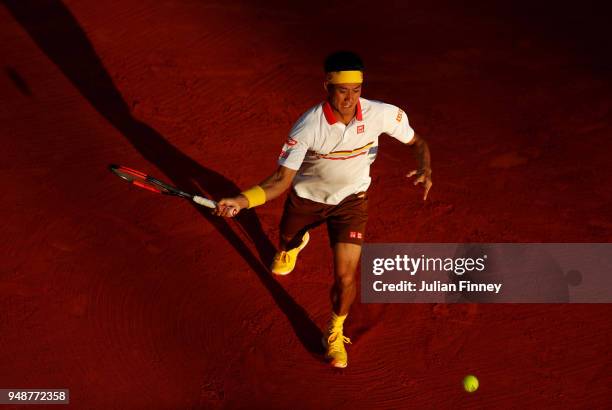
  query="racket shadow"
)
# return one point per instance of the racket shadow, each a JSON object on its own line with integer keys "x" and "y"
{"x": 65, "y": 43}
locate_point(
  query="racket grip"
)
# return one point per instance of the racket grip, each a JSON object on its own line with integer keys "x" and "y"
{"x": 204, "y": 202}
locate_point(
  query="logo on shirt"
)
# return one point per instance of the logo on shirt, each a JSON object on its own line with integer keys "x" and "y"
{"x": 291, "y": 142}
{"x": 360, "y": 129}
{"x": 284, "y": 154}
{"x": 355, "y": 235}
{"x": 399, "y": 115}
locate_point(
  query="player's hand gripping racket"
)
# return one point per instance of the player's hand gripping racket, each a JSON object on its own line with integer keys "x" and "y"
{"x": 142, "y": 180}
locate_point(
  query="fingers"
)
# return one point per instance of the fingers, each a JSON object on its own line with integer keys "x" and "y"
{"x": 218, "y": 211}
{"x": 428, "y": 185}
{"x": 226, "y": 208}
{"x": 421, "y": 179}
{"x": 226, "y": 211}
{"x": 230, "y": 212}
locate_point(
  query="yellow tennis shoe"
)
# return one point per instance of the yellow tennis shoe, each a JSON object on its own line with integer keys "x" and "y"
{"x": 334, "y": 342}
{"x": 284, "y": 261}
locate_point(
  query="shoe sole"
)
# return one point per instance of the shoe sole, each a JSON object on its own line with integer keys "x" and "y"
{"x": 302, "y": 246}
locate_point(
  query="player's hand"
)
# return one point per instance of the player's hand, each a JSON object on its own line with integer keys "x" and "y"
{"x": 423, "y": 176}
{"x": 228, "y": 207}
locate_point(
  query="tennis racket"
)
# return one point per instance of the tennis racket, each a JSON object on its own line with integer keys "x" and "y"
{"x": 142, "y": 180}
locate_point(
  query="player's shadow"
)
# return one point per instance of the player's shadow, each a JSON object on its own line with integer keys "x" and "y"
{"x": 18, "y": 80}
{"x": 56, "y": 31}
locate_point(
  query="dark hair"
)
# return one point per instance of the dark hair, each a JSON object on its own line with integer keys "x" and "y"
{"x": 343, "y": 61}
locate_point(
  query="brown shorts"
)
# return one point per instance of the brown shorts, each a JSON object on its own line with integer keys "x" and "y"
{"x": 346, "y": 221}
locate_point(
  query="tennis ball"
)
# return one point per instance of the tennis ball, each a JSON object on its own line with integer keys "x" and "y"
{"x": 470, "y": 383}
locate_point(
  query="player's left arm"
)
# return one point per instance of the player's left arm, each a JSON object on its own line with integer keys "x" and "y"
{"x": 423, "y": 158}
{"x": 395, "y": 123}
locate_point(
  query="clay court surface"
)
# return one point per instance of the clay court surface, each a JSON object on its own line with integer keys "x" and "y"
{"x": 138, "y": 301}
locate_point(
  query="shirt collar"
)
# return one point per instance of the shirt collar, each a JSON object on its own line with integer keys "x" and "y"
{"x": 329, "y": 113}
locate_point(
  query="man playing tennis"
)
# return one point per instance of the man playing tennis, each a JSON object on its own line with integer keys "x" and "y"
{"x": 327, "y": 160}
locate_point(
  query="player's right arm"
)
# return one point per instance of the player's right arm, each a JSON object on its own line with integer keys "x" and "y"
{"x": 291, "y": 157}
{"x": 273, "y": 187}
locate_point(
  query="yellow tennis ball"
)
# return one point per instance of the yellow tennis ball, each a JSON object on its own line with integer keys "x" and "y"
{"x": 470, "y": 383}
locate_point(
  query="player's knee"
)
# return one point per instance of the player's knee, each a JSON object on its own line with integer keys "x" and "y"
{"x": 345, "y": 279}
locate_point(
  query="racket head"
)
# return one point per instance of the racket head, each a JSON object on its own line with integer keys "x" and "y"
{"x": 142, "y": 180}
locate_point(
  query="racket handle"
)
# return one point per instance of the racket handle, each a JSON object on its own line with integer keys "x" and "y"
{"x": 204, "y": 202}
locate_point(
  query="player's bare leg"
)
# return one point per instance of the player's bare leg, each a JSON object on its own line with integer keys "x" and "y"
{"x": 344, "y": 291}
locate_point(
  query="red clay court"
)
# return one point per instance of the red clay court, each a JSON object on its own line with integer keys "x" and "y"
{"x": 138, "y": 301}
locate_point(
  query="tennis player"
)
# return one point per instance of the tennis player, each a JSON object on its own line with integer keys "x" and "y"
{"x": 326, "y": 160}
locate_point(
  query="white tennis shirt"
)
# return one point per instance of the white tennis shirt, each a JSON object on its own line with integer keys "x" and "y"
{"x": 332, "y": 159}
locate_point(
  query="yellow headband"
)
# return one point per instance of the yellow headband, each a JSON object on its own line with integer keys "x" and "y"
{"x": 345, "y": 77}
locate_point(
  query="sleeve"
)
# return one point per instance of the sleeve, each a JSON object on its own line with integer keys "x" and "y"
{"x": 297, "y": 144}
{"x": 395, "y": 123}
